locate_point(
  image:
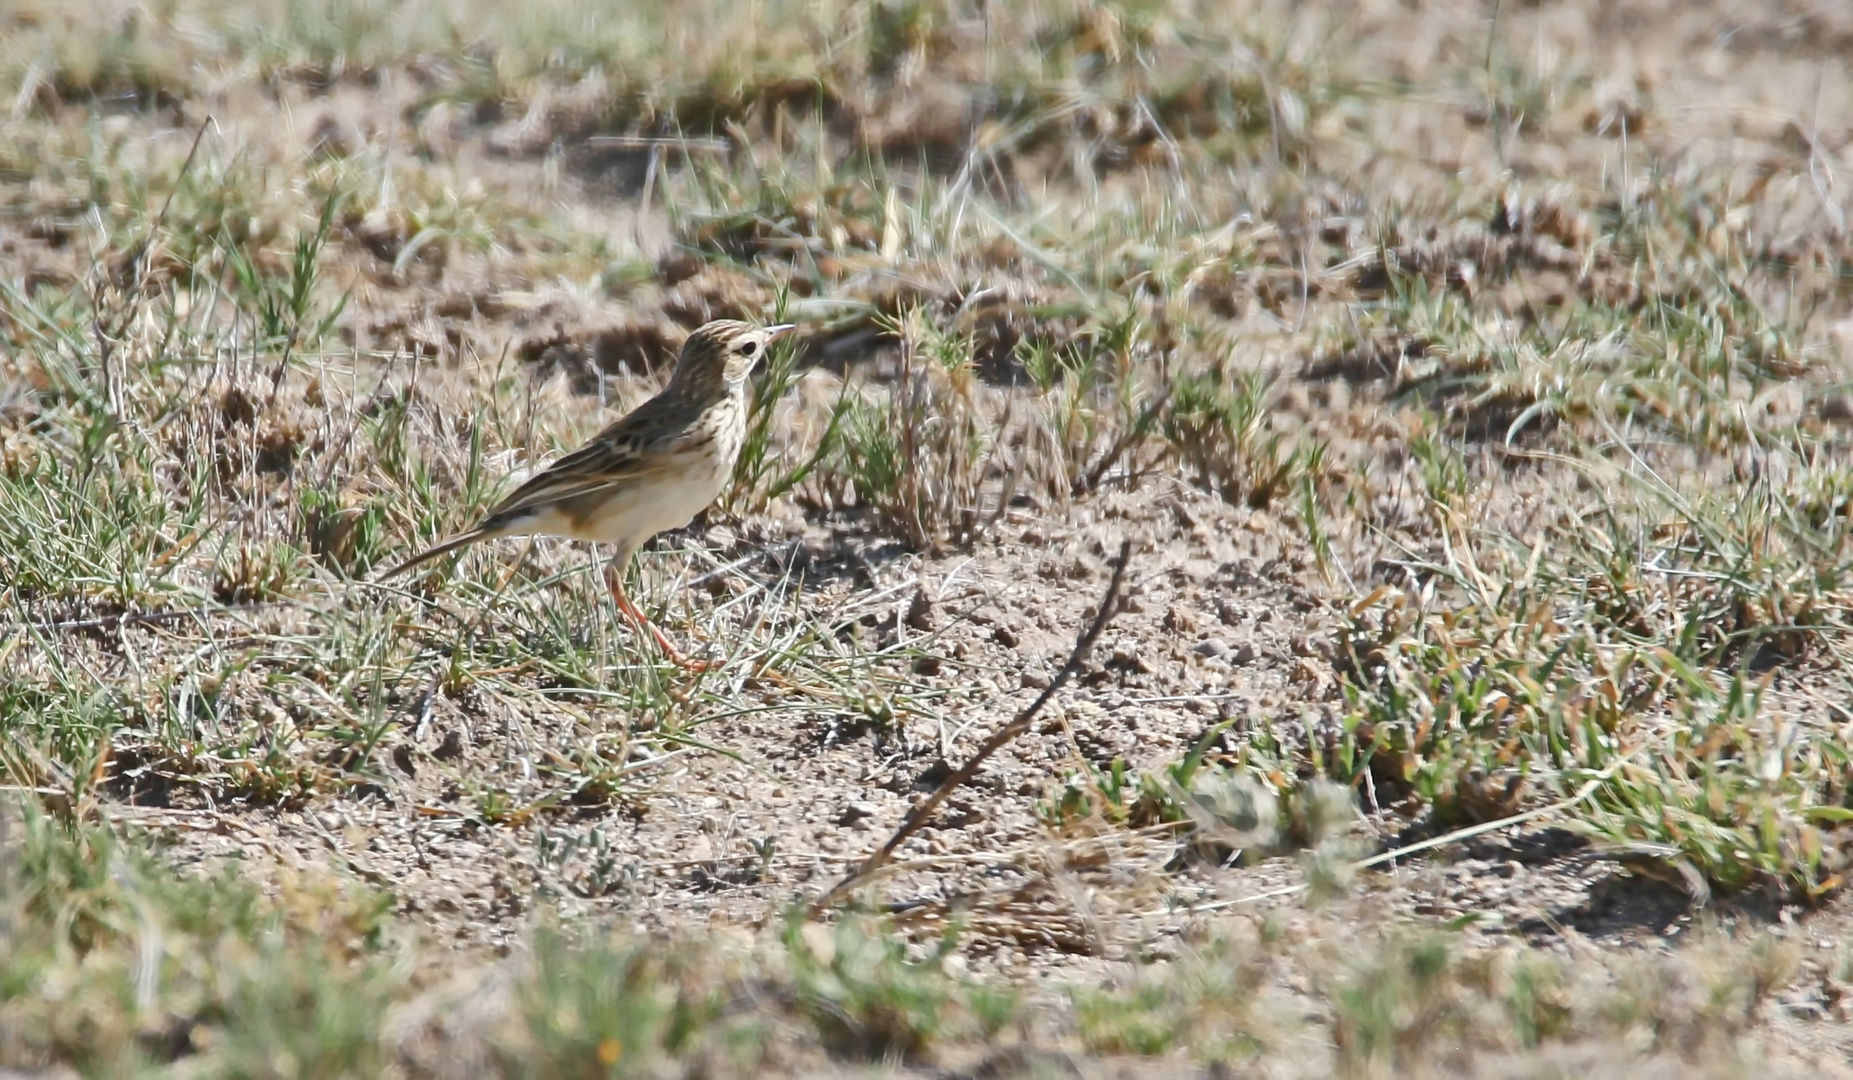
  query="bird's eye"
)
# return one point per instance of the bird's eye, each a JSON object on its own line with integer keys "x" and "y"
{"x": 749, "y": 349}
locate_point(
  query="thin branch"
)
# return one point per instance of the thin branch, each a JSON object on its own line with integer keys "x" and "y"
{"x": 687, "y": 145}
{"x": 145, "y": 618}
{"x": 1137, "y": 433}
{"x": 134, "y": 262}
{"x": 917, "y": 817}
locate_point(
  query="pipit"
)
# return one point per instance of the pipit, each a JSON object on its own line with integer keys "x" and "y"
{"x": 655, "y": 469}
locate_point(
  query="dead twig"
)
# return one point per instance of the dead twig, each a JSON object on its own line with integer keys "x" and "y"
{"x": 917, "y": 817}
{"x": 647, "y": 142}
{"x": 146, "y": 618}
{"x": 1134, "y": 434}
{"x": 133, "y": 268}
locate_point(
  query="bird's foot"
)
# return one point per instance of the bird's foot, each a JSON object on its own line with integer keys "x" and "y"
{"x": 670, "y": 652}
{"x": 642, "y": 622}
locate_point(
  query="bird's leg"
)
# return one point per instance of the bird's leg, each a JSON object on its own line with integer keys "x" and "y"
{"x": 614, "y": 579}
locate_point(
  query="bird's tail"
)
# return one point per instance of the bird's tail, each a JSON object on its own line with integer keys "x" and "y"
{"x": 455, "y": 542}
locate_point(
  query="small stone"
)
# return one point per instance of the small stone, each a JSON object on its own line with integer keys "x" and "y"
{"x": 856, "y": 811}
{"x": 932, "y": 775}
{"x": 920, "y": 611}
{"x": 1033, "y": 679}
{"x": 1210, "y": 648}
{"x": 1245, "y": 655}
{"x": 451, "y": 747}
{"x": 1004, "y": 636}
{"x": 1179, "y": 620}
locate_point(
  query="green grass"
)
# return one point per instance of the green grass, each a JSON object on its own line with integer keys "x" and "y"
{"x": 115, "y": 962}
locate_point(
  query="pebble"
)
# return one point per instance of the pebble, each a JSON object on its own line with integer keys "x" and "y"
{"x": 856, "y": 811}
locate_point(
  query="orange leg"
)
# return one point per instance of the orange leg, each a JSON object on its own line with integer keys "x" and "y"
{"x": 614, "y": 579}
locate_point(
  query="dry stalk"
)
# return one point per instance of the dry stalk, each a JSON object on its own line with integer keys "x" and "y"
{"x": 917, "y": 817}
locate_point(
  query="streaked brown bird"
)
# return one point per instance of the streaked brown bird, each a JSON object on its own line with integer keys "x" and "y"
{"x": 655, "y": 469}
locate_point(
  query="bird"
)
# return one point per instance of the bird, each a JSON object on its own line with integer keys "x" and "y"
{"x": 653, "y": 469}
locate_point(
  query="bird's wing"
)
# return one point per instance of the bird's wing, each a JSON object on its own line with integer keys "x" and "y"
{"x": 636, "y": 446}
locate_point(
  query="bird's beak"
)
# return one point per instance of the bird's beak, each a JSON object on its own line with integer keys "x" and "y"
{"x": 779, "y": 330}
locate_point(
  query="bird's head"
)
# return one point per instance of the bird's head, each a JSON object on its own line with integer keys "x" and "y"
{"x": 722, "y": 353}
